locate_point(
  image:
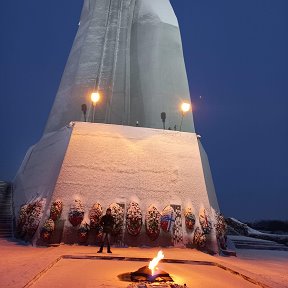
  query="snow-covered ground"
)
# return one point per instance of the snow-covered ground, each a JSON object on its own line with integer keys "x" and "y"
{"x": 20, "y": 264}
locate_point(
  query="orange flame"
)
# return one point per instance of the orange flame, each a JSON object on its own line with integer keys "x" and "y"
{"x": 153, "y": 264}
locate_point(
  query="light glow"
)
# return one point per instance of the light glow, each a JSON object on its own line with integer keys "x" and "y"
{"x": 153, "y": 264}
{"x": 95, "y": 97}
{"x": 185, "y": 107}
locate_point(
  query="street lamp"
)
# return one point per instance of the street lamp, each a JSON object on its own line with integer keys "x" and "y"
{"x": 185, "y": 107}
{"x": 84, "y": 110}
{"x": 163, "y": 118}
{"x": 95, "y": 97}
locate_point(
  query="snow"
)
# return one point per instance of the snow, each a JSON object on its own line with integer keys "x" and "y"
{"x": 160, "y": 9}
{"x": 269, "y": 267}
{"x": 39, "y": 171}
{"x": 19, "y": 264}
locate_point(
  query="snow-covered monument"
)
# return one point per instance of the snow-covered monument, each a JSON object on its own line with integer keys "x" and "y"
{"x": 157, "y": 181}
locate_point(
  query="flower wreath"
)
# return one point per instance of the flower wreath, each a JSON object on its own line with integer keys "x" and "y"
{"x": 205, "y": 222}
{"x": 189, "y": 219}
{"x": 221, "y": 230}
{"x": 152, "y": 222}
{"x": 34, "y": 212}
{"x": 134, "y": 219}
{"x": 199, "y": 239}
{"x": 76, "y": 213}
{"x": 56, "y": 209}
{"x": 118, "y": 214}
{"x": 22, "y": 218}
{"x": 95, "y": 215}
{"x": 220, "y": 226}
{"x": 177, "y": 229}
{"x": 83, "y": 231}
{"x": 167, "y": 219}
{"x": 47, "y": 230}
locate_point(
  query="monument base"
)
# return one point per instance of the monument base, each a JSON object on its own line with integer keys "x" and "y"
{"x": 155, "y": 181}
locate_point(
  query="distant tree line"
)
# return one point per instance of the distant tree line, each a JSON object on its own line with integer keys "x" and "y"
{"x": 269, "y": 225}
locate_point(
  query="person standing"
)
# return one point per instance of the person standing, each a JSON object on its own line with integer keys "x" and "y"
{"x": 107, "y": 223}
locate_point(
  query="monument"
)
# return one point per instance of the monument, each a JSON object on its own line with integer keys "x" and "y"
{"x": 156, "y": 181}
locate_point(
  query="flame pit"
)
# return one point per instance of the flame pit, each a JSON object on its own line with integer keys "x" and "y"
{"x": 152, "y": 273}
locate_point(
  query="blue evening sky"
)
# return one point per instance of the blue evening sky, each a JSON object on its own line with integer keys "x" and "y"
{"x": 237, "y": 64}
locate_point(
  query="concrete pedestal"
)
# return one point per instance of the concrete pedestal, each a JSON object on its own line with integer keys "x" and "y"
{"x": 119, "y": 164}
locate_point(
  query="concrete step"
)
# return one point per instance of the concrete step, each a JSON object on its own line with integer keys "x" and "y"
{"x": 9, "y": 214}
{"x": 5, "y": 231}
{"x": 262, "y": 243}
{"x": 5, "y": 222}
{"x": 258, "y": 245}
{"x": 4, "y": 227}
{"x": 6, "y": 218}
{"x": 5, "y": 211}
{"x": 6, "y": 214}
{"x": 6, "y": 235}
{"x": 5, "y": 201}
{"x": 6, "y": 207}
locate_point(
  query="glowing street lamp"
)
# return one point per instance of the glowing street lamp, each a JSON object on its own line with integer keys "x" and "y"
{"x": 185, "y": 107}
{"x": 95, "y": 97}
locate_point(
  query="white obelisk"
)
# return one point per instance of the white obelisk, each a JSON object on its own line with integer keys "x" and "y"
{"x": 131, "y": 52}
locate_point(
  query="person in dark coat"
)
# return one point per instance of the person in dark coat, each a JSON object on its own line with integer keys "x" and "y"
{"x": 107, "y": 222}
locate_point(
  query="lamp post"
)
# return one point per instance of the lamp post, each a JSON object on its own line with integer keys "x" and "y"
{"x": 163, "y": 118}
{"x": 95, "y": 97}
{"x": 185, "y": 107}
{"x": 84, "y": 110}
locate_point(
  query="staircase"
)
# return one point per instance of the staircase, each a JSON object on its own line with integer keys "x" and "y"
{"x": 242, "y": 242}
{"x": 6, "y": 215}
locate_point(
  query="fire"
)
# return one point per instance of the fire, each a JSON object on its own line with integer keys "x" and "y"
{"x": 153, "y": 264}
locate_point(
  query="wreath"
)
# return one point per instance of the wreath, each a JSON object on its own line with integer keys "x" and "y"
{"x": 134, "y": 219}
{"x": 205, "y": 222}
{"x": 95, "y": 215}
{"x": 177, "y": 229}
{"x": 152, "y": 222}
{"x": 199, "y": 239}
{"x": 34, "y": 213}
{"x": 118, "y": 214}
{"x": 167, "y": 219}
{"x": 189, "y": 219}
{"x": 220, "y": 226}
{"x": 221, "y": 230}
{"x": 83, "y": 232}
{"x": 22, "y": 218}
{"x": 56, "y": 210}
{"x": 76, "y": 213}
{"x": 47, "y": 230}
